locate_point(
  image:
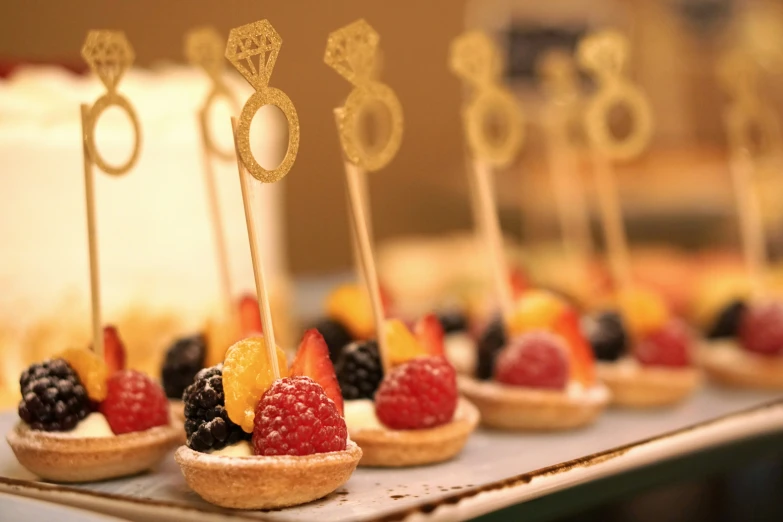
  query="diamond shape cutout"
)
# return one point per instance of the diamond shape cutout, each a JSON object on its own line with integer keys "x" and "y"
{"x": 474, "y": 57}
{"x": 204, "y": 47}
{"x": 109, "y": 55}
{"x": 352, "y": 51}
{"x": 252, "y": 49}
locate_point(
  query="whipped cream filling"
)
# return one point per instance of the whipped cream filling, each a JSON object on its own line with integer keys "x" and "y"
{"x": 238, "y": 449}
{"x": 461, "y": 352}
{"x": 93, "y": 426}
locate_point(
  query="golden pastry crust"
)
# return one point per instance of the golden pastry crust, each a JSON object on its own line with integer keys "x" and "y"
{"x": 60, "y": 458}
{"x": 404, "y": 448}
{"x": 515, "y": 408}
{"x": 649, "y": 387}
{"x": 266, "y": 482}
{"x": 746, "y": 370}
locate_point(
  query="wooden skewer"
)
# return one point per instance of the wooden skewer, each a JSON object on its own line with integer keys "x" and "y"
{"x": 571, "y": 207}
{"x": 612, "y": 220}
{"x": 92, "y": 240}
{"x": 751, "y": 226}
{"x": 258, "y": 268}
{"x": 358, "y": 206}
{"x": 490, "y": 227}
{"x": 224, "y": 272}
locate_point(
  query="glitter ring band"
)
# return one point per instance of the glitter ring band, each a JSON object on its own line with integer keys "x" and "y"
{"x": 597, "y": 121}
{"x": 219, "y": 91}
{"x": 101, "y": 104}
{"x": 358, "y": 102}
{"x": 276, "y": 97}
{"x": 491, "y": 100}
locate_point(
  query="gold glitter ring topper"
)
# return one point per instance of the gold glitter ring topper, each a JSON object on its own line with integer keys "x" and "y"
{"x": 204, "y": 48}
{"x": 605, "y": 55}
{"x": 739, "y": 74}
{"x": 352, "y": 51}
{"x": 109, "y": 55}
{"x": 252, "y": 49}
{"x": 476, "y": 59}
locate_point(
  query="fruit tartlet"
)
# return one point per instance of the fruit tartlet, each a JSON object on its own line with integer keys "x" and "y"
{"x": 535, "y": 369}
{"x": 646, "y": 356}
{"x": 256, "y": 442}
{"x": 412, "y": 416}
{"x": 82, "y": 419}
{"x": 744, "y": 345}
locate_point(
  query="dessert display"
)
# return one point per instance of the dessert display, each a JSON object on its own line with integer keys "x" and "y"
{"x": 646, "y": 355}
{"x": 535, "y": 369}
{"x": 255, "y": 442}
{"x": 82, "y": 419}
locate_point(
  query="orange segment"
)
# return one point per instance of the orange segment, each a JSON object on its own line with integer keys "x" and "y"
{"x": 91, "y": 369}
{"x": 644, "y": 311}
{"x": 350, "y": 305}
{"x": 247, "y": 374}
{"x": 535, "y": 310}
{"x": 401, "y": 343}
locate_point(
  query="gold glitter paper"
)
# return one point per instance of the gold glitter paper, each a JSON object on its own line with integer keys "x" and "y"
{"x": 204, "y": 48}
{"x": 353, "y": 52}
{"x": 747, "y": 116}
{"x": 476, "y": 59}
{"x": 252, "y": 49}
{"x": 109, "y": 55}
{"x": 604, "y": 54}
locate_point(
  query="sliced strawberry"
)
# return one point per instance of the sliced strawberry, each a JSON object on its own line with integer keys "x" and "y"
{"x": 113, "y": 350}
{"x": 249, "y": 317}
{"x": 582, "y": 360}
{"x": 518, "y": 281}
{"x": 429, "y": 333}
{"x": 312, "y": 360}
{"x": 386, "y": 299}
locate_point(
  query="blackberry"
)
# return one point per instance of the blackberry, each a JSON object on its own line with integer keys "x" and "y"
{"x": 490, "y": 343}
{"x": 453, "y": 321}
{"x": 359, "y": 370}
{"x": 183, "y": 361}
{"x": 207, "y": 426}
{"x": 336, "y": 336}
{"x": 53, "y": 397}
{"x": 728, "y": 321}
{"x": 607, "y": 336}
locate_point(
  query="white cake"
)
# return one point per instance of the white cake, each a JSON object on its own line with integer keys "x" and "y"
{"x": 157, "y": 259}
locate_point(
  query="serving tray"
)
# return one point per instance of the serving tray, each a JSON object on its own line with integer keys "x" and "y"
{"x": 495, "y": 470}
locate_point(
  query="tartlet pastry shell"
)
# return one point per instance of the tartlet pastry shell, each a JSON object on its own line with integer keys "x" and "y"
{"x": 521, "y": 409}
{"x": 748, "y": 371}
{"x": 61, "y": 458}
{"x": 649, "y": 387}
{"x": 403, "y": 448}
{"x": 266, "y": 482}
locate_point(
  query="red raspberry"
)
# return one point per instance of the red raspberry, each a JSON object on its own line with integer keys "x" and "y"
{"x": 761, "y": 328}
{"x": 134, "y": 402}
{"x": 536, "y": 359}
{"x": 421, "y": 393}
{"x": 295, "y": 417}
{"x": 666, "y": 346}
